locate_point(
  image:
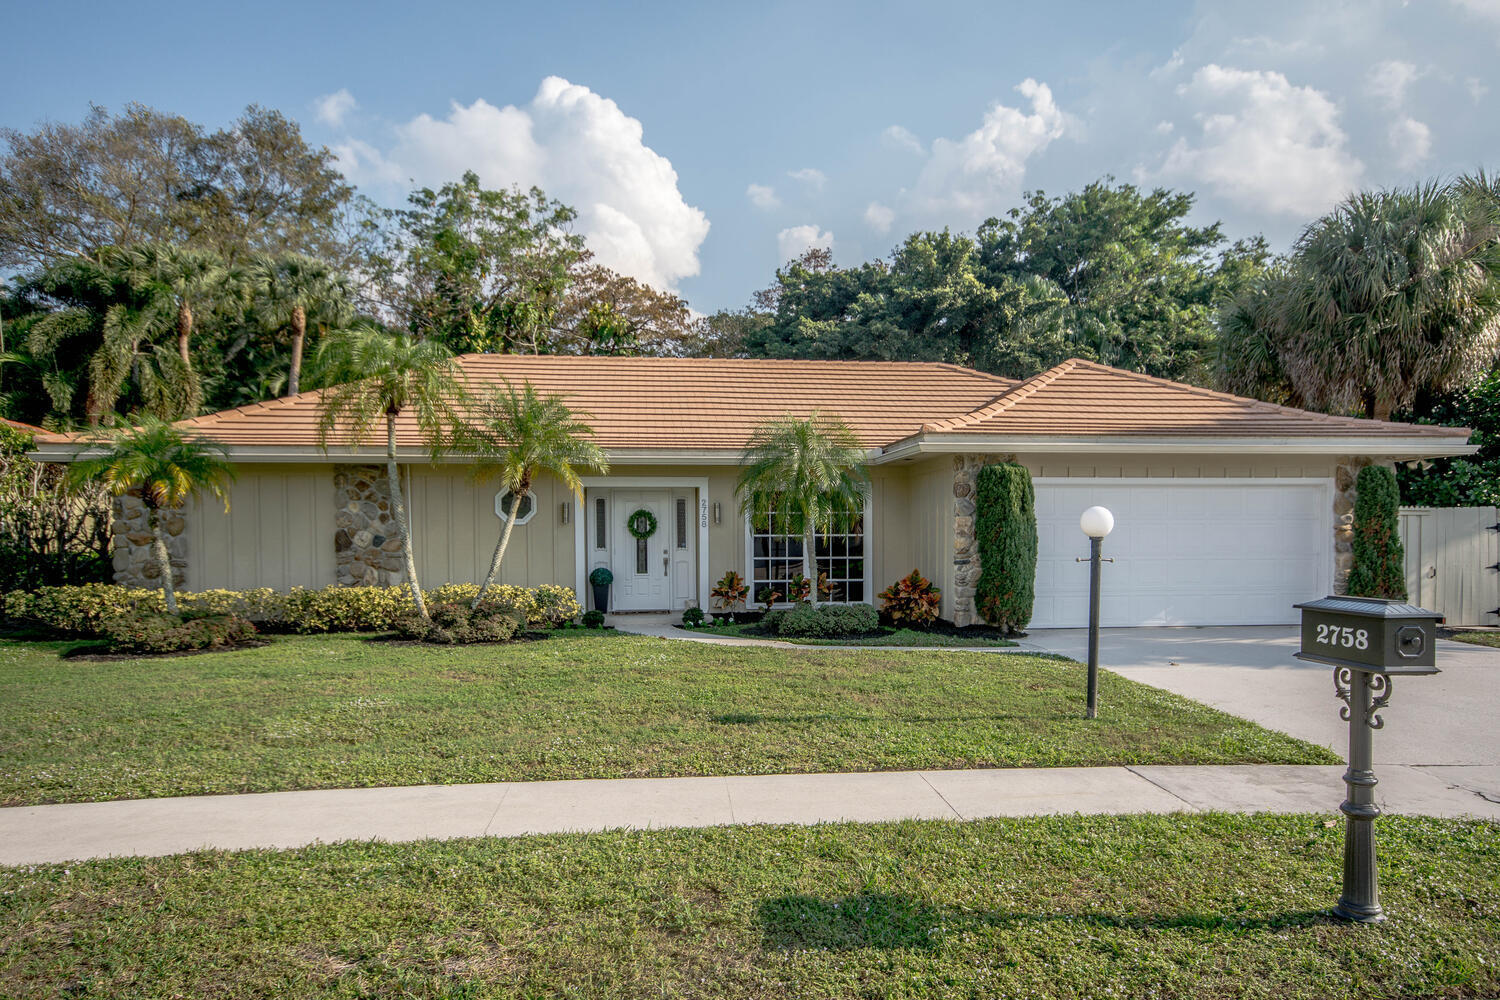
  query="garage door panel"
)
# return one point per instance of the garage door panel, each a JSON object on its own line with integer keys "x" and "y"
{"x": 1186, "y": 552}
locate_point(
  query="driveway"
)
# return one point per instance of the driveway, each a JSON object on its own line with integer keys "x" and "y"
{"x": 1449, "y": 722}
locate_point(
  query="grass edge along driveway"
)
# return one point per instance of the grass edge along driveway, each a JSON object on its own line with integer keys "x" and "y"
{"x": 1060, "y": 907}
{"x": 353, "y": 711}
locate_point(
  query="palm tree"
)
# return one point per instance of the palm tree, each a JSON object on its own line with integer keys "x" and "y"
{"x": 174, "y": 277}
{"x": 293, "y": 287}
{"x": 807, "y": 471}
{"x": 168, "y": 465}
{"x": 518, "y": 435}
{"x": 1394, "y": 292}
{"x": 375, "y": 376}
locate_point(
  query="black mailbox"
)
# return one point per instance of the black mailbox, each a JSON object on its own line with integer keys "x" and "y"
{"x": 1370, "y": 634}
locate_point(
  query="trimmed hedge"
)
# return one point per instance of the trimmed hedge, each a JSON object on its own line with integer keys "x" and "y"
{"x": 828, "y": 621}
{"x": 1005, "y": 528}
{"x": 83, "y": 610}
{"x": 458, "y": 623}
{"x": 1379, "y": 560}
{"x": 164, "y": 633}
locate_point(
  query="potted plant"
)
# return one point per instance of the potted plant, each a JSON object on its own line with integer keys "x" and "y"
{"x": 600, "y": 579}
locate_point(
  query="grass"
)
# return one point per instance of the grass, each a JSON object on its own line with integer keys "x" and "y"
{"x": 1490, "y": 638}
{"x": 887, "y": 636}
{"x": 349, "y": 711}
{"x": 1198, "y": 906}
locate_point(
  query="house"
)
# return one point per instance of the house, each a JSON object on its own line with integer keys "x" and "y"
{"x": 1228, "y": 510}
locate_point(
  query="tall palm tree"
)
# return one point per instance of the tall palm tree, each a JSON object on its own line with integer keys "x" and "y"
{"x": 806, "y": 471}
{"x": 168, "y": 465}
{"x": 373, "y": 376}
{"x": 174, "y": 277}
{"x": 290, "y": 289}
{"x": 516, "y": 436}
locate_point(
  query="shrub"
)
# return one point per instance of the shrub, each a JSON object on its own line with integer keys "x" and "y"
{"x": 600, "y": 576}
{"x": 729, "y": 591}
{"x": 457, "y": 622}
{"x": 593, "y": 618}
{"x": 554, "y": 604}
{"x": 768, "y": 596}
{"x": 1379, "y": 561}
{"x": 830, "y": 621}
{"x": 1005, "y": 525}
{"x": 797, "y": 589}
{"x": 135, "y": 632}
{"x": 693, "y": 617}
{"x": 345, "y": 609}
{"x": 911, "y": 600}
{"x": 771, "y": 620}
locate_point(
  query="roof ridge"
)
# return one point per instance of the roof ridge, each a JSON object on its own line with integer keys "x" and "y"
{"x": 1005, "y": 400}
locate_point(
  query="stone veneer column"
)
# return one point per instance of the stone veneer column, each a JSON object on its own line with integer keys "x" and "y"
{"x": 1345, "y": 477}
{"x": 966, "y": 564}
{"x": 366, "y": 545}
{"x": 135, "y": 564}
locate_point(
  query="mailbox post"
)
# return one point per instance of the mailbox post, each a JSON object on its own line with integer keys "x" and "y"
{"x": 1368, "y": 641}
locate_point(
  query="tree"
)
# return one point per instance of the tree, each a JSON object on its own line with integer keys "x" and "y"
{"x": 1393, "y": 294}
{"x": 1473, "y": 481}
{"x": 806, "y": 471}
{"x": 374, "y": 376}
{"x": 167, "y": 465}
{"x": 287, "y": 290}
{"x": 1005, "y": 519}
{"x": 1379, "y": 562}
{"x": 52, "y": 532}
{"x": 608, "y": 313}
{"x": 518, "y": 435}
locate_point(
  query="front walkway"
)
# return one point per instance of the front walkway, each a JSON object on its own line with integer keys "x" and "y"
{"x": 664, "y": 626}
{"x": 42, "y": 834}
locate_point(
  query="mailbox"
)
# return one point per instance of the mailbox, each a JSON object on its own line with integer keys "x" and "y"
{"x": 1370, "y": 634}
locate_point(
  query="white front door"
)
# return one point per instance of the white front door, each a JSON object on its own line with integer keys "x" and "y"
{"x": 642, "y": 567}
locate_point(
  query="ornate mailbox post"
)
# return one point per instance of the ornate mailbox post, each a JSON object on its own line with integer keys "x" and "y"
{"x": 1368, "y": 641}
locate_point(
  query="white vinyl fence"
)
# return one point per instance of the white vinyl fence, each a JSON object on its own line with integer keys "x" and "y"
{"x": 1451, "y": 561}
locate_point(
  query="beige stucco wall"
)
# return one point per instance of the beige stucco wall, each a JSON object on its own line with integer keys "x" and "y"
{"x": 278, "y": 532}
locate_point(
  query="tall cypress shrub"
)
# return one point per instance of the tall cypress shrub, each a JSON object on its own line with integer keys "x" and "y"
{"x": 1379, "y": 562}
{"x": 1005, "y": 527}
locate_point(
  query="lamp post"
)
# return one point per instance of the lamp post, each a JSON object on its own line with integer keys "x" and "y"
{"x": 1096, "y": 522}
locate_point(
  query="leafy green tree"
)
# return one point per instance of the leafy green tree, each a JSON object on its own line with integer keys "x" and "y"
{"x": 167, "y": 465}
{"x": 52, "y": 531}
{"x": 1379, "y": 562}
{"x": 806, "y": 471}
{"x": 518, "y": 435}
{"x": 1472, "y": 481}
{"x": 1005, "y": 523}
{"x": 287, "y": 290}
{"x": 374, "y": 376}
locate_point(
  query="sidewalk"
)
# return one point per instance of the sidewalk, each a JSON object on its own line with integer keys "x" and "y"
{"x": 149, "y": 827}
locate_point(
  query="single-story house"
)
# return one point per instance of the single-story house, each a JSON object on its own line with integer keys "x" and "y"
{"x": 1227, "y": 510}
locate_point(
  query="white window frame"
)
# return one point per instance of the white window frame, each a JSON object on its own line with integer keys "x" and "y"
{"x": 524, "y": 518}
{"x": 751, "y": 603}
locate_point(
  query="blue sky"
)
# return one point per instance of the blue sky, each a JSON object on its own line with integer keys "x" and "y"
{"x": 703, "y": 143}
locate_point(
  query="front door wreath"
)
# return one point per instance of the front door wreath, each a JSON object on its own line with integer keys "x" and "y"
{"x": 642, "y": 524}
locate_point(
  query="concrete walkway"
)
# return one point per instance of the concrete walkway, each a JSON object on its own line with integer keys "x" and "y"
{"x": 149, "y": 827}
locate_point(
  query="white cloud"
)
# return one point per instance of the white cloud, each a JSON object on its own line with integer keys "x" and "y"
{"x": 332, "y": 109}
{"x": 1264, "y": 143}
{"x": 811, "y": 176}
{"x": 794, "y": 242}
{"x": 762, "y": 196}
{"x": 879, "y": 217}
{"x": 902, "y": 138}
{"x": 1476, "y": 88}
{"x": 1411, "y": 142}
{"x": 1389, "y": 80}
{"x": 964, "y": 179}
{"x": 578, "y": 147}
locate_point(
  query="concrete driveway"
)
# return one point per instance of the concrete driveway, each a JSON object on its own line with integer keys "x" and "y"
{"x": 1449, "y": 723}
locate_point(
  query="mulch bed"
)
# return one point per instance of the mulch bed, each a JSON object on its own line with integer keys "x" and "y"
{"x": 91, "y": 653}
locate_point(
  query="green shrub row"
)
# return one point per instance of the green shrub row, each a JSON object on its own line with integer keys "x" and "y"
{"x": 164, "y": 633}
{"x": 459, "y": 623}
{"x": 827, "y": 621}
{"x": 84, "y": 610}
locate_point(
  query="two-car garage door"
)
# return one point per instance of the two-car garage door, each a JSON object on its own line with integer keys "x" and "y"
{"x": 1206, "y": 552}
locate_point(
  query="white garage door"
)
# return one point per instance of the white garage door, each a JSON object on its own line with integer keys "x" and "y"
{"x": 1208, "y": 552}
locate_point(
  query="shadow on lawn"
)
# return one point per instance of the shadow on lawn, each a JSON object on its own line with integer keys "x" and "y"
{"x": 886, "y": 921}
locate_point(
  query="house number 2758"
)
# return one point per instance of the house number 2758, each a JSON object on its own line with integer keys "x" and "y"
{"x": 1343, "y": 635}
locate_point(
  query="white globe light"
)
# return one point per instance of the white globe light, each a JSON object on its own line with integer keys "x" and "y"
{"x": 1097, "y": 522}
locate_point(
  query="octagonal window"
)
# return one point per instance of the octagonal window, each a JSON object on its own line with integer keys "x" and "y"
{"x": 505, "y": 498}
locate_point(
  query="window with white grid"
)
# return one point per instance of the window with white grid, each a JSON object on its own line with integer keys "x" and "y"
{"x": 838, "y": 548}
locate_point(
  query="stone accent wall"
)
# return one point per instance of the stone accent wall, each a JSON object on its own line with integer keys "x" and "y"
{"x": 1345, "y": 476}
{"x": 367, "y": 548}
{"x": 966, "y": 564}
{"x": 135, "y": 564}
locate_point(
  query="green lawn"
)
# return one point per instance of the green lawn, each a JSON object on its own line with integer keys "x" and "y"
{"x": 887, "y": 636}
{"x": 343, "y": 711}
{"x": 1477, "y": 638}
{"x": 1187, "y": 906}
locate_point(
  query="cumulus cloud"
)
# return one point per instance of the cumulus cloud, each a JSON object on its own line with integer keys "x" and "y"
{"x": 1263, "y": 142}
{"x": 1389, "y": 80}
{"x": 1411, "y": 142}
{"x": 577, "y": 146}
{"x": 902, "y": 138}
{"x": 810, "y": 176}
{"x": 964, "y": 179}
{"x": 794, "y": 242}
{"x": 332, "y": 109}
{"x": 762, "y": 196}
{"x": 879, "y": 217}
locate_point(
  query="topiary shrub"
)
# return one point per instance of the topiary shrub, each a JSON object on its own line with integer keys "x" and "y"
{"x": 458, "y": 623}
{"x": 593, "y": 618}
{"x": 1005, "y": 528}
{"x": 1379, "y": 561}
{"x": 911, "y": 600}
{"x": 163, "y": 633}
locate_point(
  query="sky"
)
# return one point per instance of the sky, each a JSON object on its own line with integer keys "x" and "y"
{"x": 705, "y": 144}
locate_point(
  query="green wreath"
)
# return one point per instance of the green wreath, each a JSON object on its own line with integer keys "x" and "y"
{"x": 641, "y": 517}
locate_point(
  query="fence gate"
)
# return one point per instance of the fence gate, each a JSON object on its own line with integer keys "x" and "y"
{"x": 1453, "y": 562}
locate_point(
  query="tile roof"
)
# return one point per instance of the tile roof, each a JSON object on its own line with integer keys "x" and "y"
{"x": 1082, "y": 399}
{"x": 715, "y": 403}
{"x": 16, "y": 425}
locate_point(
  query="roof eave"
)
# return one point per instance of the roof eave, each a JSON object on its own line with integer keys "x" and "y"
{"x": 1397, "y": 448}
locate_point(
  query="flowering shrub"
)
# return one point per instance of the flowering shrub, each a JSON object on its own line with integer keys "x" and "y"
{"x": 458, "y": 623}
{"x": 163, "y": 633}
{"x": 911, "y": 600}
